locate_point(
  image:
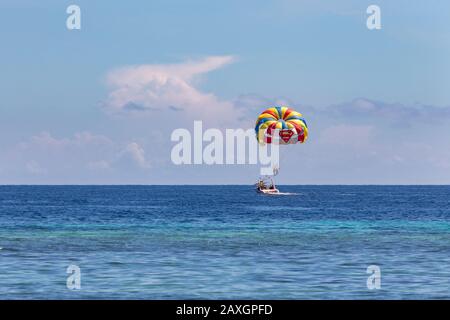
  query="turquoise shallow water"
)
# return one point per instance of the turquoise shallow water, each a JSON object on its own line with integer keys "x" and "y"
{"x": 205, "y": 242}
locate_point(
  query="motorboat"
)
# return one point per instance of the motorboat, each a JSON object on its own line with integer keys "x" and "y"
{"x": 265, "y": 185}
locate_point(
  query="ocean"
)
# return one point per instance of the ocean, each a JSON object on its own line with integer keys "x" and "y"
{"x": 225, "y": 242}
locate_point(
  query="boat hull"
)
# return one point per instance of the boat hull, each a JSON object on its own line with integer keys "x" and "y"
{"x": 268, "y": 191}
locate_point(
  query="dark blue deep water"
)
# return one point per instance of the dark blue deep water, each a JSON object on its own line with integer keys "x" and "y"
{"x": 192, "y": 242}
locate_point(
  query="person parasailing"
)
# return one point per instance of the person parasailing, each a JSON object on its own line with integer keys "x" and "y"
{"x": 283, "y": 126}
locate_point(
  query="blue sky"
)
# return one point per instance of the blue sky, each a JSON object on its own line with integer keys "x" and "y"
{"x": 377, "y": 102}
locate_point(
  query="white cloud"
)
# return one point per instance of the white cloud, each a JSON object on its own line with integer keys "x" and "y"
{"x": 168, "y": 87}
{"x": 134, "y": 152}
{"x": 74, "y": 159}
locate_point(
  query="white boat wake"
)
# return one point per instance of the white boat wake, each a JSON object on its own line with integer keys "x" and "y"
{"x": 282, "y": 194}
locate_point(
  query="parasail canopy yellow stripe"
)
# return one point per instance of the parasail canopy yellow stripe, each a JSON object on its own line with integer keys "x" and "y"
{"x": 297, "y": 121}
{"x": 273, "y": 110}
{"x": 265, "y": 116}
{"x": 283, "y": 111}
{"x": 294, "y": 114}
{"x": 266, "y": 124}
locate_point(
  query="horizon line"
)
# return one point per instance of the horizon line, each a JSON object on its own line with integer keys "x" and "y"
{"x": 158, "y": 185}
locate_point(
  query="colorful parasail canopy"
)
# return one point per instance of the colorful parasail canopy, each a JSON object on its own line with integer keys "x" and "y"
{"x": 289, "y": 124}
